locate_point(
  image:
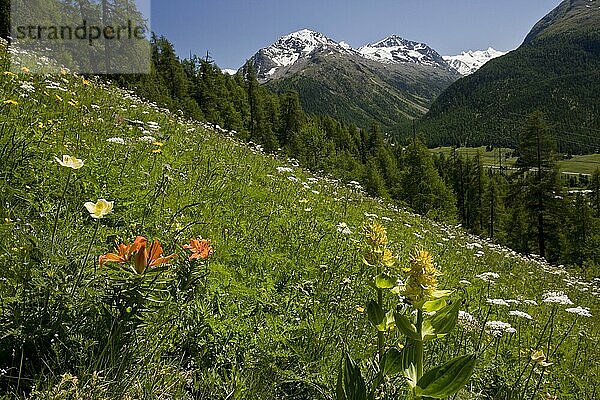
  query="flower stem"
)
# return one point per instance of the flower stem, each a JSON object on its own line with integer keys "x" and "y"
{"x": 80, "y": 274}
{"x": 419, "y": 345}
{"x": 60, "y": 201}
{"x": 380, "y": 333}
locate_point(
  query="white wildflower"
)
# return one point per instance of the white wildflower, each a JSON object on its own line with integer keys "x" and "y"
{"x": 581, "y": 311}
{"x": 520, "y": 314}
{"x": 498, "y": 328}
{"x": 498, "y": 302}
{"x": 488, "y": 277}
{"x": 147, "y": 139}
{"x": 116, "y": 140}
{"x": 556, "y": 297}
{"x": 284, "y": 169}
{"x": 468, "y": 321}
{"x": 342, "y": 228}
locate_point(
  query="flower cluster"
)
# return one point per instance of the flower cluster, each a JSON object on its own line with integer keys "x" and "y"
{"x": 378, "y": 253}
{"x": 421, "y": 283}
{"x": 498, "y": 328}
{"x": 556, "y": 297}
{"x": 141, "y": 256}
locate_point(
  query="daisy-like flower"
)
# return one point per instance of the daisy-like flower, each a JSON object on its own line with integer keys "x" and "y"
{"x": 422, "y": 277}
{"x": 69, "y": 162}
{"x": 100, "y": 208}
{"x": 556, "y": 297}
{"x": 581, "y": 311}
{"x": 520, "y": 314}
{"x": 200, "y": 248}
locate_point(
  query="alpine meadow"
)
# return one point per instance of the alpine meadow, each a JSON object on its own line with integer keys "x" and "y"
{"x": 325, "y": 222}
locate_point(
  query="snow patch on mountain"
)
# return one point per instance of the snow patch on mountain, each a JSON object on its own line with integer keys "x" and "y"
{"x": 470, "y": 61}
{"x": 396, "y": 50}
{"x": 292, "y": 47}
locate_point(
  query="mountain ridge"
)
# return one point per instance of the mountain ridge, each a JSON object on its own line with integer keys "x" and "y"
{"x": 556, "y": 70}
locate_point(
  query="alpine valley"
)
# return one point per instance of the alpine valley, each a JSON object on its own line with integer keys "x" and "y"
{"x": 389, "y": 82}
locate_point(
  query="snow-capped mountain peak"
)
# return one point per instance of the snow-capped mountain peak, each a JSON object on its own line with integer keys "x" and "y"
{"x": 470, "y": 61}
{"x": 396, "y": 50}
{"x": 292, "y": 47}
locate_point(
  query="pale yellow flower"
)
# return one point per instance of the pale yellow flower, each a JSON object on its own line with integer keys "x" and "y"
{"x": 10, "y": 102}
{"x": 69, "y": 162}
{"x": 25, "y": 70}
{"x": 99, "y": 209}
{"x": 539, "y": 358}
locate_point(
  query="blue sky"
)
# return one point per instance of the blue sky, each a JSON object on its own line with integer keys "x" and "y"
{"x": 233, "y": 30}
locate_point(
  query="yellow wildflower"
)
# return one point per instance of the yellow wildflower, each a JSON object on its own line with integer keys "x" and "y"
{"x": 58, "y": 97}
{"x": 376, "y": 235}
{"x": 159, "y": 144}
{"x": 73, "y": 103}
{"x": 8, "y": 73}
{"x": 40, "y": 125}
{"x": 538, "y": 357}
{"x": 25, "y": 70}
{"x": 422, "y": 277}
{"x": 380, "y": 257}
{"x": 156, "y": 151}
{"x": 85, "y": 82}
{"x": 69, "y": 162}
{"x": 100, "y": 208}
{"x": 10, "y": 102}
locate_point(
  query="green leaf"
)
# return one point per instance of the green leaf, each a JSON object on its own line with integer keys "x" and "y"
{"x": 409, "y": 364}
{"x": 384, "y": 281}
{"x": 446, "y": 380}
{"x": 376, "y": 316}
{"x": 392, "y": 362}
{"x": 442, "y": 322}
{"x": 350, "y": 383}
{"x": 434, "y": 305}
{"x": 407, "y": 328}
{"x": 438, "y": 294}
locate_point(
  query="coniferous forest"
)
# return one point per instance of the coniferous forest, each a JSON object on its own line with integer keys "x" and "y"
{"x": 496, "y": 204}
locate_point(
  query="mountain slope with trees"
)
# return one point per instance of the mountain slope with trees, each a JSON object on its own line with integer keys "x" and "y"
{"x": 556, "y": 71}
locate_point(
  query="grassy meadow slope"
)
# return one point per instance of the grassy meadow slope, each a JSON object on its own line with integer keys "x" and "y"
{"x": 266, "y": 317}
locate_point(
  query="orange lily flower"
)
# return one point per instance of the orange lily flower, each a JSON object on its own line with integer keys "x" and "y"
{"x": 124, "y": 251}
{"x": 151, "y": 257}
{"x": 201, "y": 249}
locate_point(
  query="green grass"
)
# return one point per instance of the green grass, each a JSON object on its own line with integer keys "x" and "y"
{"x": 268, "y": 316}
{"x": 578, "y": 164}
